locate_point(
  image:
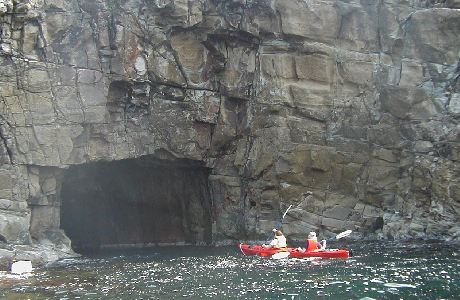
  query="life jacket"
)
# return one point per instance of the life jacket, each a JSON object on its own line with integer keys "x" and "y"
{"x": 310, "y": 245}
{"x": 280, "y": 242}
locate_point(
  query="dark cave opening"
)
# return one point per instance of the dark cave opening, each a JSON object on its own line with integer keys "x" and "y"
{"x": 135, "y": 203}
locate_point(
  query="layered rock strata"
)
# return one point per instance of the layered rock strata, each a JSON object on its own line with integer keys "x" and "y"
{"x": 348, "y": 110}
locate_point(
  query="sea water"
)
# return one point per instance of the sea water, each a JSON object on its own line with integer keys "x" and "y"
{"x": 378, "y": 270}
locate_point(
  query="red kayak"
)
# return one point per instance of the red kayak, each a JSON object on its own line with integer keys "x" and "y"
{"x": 259, "y": 250}
{"x": 330, "y": 253}
{"x": 294, "y": 252}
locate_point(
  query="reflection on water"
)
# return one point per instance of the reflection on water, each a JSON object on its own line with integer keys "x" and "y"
{"x": 379, "y": 270}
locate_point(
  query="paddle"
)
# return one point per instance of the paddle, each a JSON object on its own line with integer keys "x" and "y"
{"x": 279, "y": 223}
{"x": 340, "y": 235}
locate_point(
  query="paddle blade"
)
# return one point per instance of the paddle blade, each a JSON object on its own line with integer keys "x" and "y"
{"x": 280, "y": 255}
{"x": 343, "y": 234}
{"x": 287, "y": 211}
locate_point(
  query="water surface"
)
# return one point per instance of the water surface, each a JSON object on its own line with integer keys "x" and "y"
{"x": 378, "y": 270}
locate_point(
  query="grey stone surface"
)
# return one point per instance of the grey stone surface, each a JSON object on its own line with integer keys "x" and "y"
{"x": 346, "y": 110}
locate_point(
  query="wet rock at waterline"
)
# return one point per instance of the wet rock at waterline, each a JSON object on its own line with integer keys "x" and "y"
{"x": 347, "y": 111}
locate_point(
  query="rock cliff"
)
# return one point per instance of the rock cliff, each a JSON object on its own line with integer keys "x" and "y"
{"x": 199, "y": 121}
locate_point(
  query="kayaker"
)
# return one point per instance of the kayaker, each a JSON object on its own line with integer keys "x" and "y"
{"x": 312, "y": 243}
{"x": 278, "y": 242}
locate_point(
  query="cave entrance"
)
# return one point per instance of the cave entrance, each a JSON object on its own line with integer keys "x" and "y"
{"x": 135, "y": 203}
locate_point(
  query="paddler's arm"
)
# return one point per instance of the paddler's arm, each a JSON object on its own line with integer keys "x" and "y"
{"x": 305, "y": 246}
{"x": 323, "y": 244}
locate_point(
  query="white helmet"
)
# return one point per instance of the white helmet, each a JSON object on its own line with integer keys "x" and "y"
{"x": 312, "y": 235}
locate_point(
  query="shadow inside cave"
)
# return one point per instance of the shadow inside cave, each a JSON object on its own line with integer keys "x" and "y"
{"x": 135, "y": 203}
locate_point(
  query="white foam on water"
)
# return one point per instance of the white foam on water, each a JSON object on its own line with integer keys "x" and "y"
{"x": 400, "y": 285}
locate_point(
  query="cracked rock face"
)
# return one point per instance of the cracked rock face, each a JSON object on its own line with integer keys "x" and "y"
{"x": 348, "y": 111}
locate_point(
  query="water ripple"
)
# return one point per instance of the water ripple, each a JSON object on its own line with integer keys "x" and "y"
{"x": 378, "y": 271}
